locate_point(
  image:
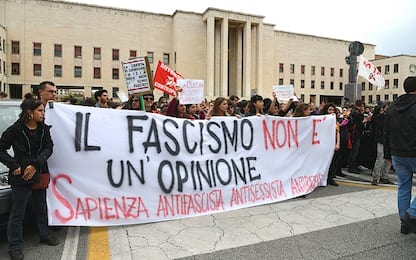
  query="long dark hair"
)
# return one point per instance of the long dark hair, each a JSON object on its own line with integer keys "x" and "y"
{"x": 29, "y": 104}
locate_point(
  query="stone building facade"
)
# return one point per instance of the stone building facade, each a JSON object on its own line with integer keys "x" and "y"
{"x": 80, "y": 47}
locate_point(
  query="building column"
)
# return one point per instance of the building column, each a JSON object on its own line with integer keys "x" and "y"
{"x": 247, "y": 60}
{"x": 224, "y": 58}
{"x": 259, "y": 60}
{"x": 239, "y": 80}
{"x": 209, "y": 87}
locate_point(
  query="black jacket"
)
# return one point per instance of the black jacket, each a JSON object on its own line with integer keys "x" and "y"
{"x": 16, "y": 136}
{"x": 399, "y": 128}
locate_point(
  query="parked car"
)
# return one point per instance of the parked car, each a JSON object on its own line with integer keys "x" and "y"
{"x": 9, "y": 113}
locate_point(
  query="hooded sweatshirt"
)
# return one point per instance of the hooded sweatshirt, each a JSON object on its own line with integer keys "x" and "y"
{"x": 400, "y": 128}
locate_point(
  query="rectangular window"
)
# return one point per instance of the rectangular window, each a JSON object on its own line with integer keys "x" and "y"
{"x": 15, "y": 68}
{"x": 292, "y": 68}
{"x": 322, "y": 71}
{"x": 395, "y": 96}
{"x": 37, "y": 49}
{"x": 386, "y": 97}
{"x": 313, "y": 70}
{"x": 302, "y": 83}
{"x": 362, "y": 86}
{"x": 312, "y": 84}
{"x": 97, "y": 53}
{"x": 387, "y": 83}
{"x": 377, "y": 97}
{"x": 281, "y": 68}
{"x": 396, "y": 68}
{"x": 15, "y": 47}
{"x": 116, "y": 54}
{"x": 332, "y": 72}
{"x": 166, "y": 59}
{"x": 292, "y": 82}
{"x": 57, "y": 71}
{"x": 302, "y": 97}
{"x": 150, "y": 57}
{"x": 37, "y": 70}
{"x": 322, "y": 84}
{"x": 387, "y": 69}
{"x": 395, "y": 83}
{"x": 77, "y": 51}
{"x": 280, "y": 81}
{"x": 341, "y": 86}
{"x": 370, "y": 86}
{"x": 97, "y": 72}
{"x": 379, "y": 68}
{"x": 341, "y": 73}
{"x": 302, "y": 69}
{"x": 57, "y": 50}
{"x": 116, "y": 74}
{"x": 331, "y": 85}
{"x": 115, "y": 90}
{"x": 133, "y": 53}
{"x": 77, "y": 72}
{"x": 370, "y": 99}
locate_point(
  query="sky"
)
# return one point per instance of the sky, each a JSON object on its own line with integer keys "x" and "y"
{"x": 388, "y": 24}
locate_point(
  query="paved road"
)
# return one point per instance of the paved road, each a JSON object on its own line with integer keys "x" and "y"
{"x": 353, "y": 221}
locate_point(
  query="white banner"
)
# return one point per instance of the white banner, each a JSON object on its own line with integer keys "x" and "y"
{"x": 117, "y": 167}
{"x": 370, "y": 72}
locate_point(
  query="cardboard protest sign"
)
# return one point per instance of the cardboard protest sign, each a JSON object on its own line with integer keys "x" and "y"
{"x": 165, "y": 79}
{"x": 138, "y": 75}
{"x": 118, "y": 167}
{"x": 192, "y": 91}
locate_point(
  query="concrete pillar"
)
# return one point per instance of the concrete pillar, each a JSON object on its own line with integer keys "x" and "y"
{"x": 259, "y": 61}
{"x": 239, "y": 80}
{"x": 224, "y": 59}
{"x": 209, "y": 84}
{"x": 247, "y": 60}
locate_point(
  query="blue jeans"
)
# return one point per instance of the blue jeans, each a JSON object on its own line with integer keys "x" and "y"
{"x": 405, "y": 167}
{"x": 20, "y": 197}
{"x": 352, "y": 159}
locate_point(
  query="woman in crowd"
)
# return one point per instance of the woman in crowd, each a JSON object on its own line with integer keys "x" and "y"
{"x": 32, "y": 145}
{"x": 219, "y": 108}
{"x": 330, "y": 109}
{"x": 256, "y": 105}
{"x": 175, "y": 109}
{"x": 301, "y": 110}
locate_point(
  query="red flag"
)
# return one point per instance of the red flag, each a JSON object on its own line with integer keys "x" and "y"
{"x": 165, "y": 79}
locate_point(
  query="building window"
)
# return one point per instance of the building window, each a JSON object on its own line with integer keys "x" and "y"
{"x": 302, "y": 97}
{"x": 395, "y": 83}
{"x": 370, "y": 86}
{"x": 292, "y": 82}
{"x": 377, "y": 98}
{"x": 77, "y": 51}
{"x": 15, "y": 47}
{"x": 396, "y": 68}
{"x": 386, "y": 97}
{"x": 15, "y": 68}
{"x": 341, "y": 73}
{"x": 292, "y": 68}
{"x": 150, "y": 57}
{"x": 57, "y": 71}
{"x": 313, "y": 70}
{"x": 77, "y": 72}
{"x": 387, "y": 83}
{"x": 57, "y": 50}
{"x": 166, "y": 59}
{"x": 312, "y": 84}
{"x": 395, "y": 96}
{"x": 387, "y": 69}
{"x": 370, "y": 99}
{"x": 302, "y": 83}
{"x": 115, "y": 90}
{"x": 341, "y": 86}
{"x": 37, "y": 70}
{"x": 331, "y": 85}
{"x": 97, "y": 53}
{"x": 281, "y": 67}
{"x": 332, "y": 72}
{"x": 133, "y": 53}
{"x": 37, "y": 49}
{"x": 116, "y": 54}
{"x": 280, "y": 81}
{"x": 116, "y": 74}
{"x": 322, "y": 71}
{"x": 322, "y": 84}
{"x": 97, "y": 72}
{"x": 302, "y": 69}
{"x": 363, "y": 86}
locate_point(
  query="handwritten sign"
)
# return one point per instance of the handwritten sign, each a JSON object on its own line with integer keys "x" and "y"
{"x": 117, "y": 167}
{"x": 284, "y": 92}
{"x": 192, "y": 91}
{"x": 137, "y": 74}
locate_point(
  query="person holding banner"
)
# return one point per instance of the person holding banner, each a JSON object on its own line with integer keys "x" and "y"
{"x": 399, "y": 142}
{"x": 32, "y": 145}
{"x": 175, "y": 109}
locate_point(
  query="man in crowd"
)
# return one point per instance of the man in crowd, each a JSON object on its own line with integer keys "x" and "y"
{"x": 47, "y": 92}
{"x": 400, "y": 148}
{"x": 102, "y": 98}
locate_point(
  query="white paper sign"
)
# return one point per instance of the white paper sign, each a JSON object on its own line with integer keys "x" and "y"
{"x": 137, "y": 75}
{"x": 284, "y": 92}
{"x": 192, "y": 91}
